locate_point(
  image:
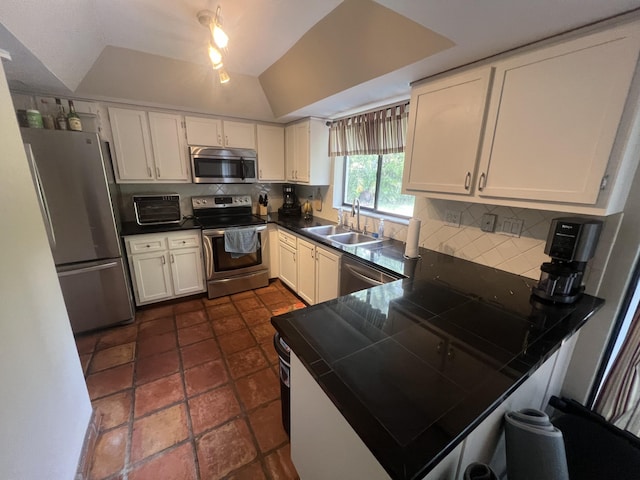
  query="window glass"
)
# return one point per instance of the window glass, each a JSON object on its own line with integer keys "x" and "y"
{"x": 376, "y": 180}
{"x": 390, "y": 199}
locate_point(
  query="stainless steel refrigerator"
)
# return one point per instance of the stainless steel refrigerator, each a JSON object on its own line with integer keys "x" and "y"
{"x": 72, "y": 178}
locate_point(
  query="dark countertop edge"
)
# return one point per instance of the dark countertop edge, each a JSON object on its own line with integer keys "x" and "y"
{"x": 562, "y": 332}
{"x": 132, "y": 228}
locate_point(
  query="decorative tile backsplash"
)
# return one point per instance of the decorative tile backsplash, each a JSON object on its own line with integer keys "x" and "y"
{"x": 520, "y": 255}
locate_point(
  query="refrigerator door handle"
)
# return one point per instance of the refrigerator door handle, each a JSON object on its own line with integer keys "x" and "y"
{"x": 94, "y": 268}
{"x": 42, "y": 199}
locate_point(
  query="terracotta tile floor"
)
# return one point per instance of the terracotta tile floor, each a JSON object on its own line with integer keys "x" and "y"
{"x": 190, "y": 390}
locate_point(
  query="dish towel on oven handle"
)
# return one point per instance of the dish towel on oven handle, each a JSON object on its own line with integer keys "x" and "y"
{"x": 240, "y": 241}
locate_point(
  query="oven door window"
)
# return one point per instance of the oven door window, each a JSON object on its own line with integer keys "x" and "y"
{"x": 230, "y": 168}
{"x": 223, "y": 262}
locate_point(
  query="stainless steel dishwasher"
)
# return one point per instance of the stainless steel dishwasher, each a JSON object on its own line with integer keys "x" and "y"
{"x": 355, "y": 275}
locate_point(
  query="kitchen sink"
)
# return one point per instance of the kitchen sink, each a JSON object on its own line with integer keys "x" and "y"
{"x": 341, "y": 235}
{"x": 326, "y": 230}
{"x": 352, "y": 238}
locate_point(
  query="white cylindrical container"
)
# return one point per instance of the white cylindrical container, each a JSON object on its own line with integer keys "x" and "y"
{"x": 413, "y": 234}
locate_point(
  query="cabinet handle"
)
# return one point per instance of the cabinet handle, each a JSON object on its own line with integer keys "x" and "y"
{"x": 260, "y": 173}
{"x": 148, "y": 246}
{"x": 149, "y": 171}
{"x": 451, "y": 354}
{"x": 482, "y": 182}
{"x": 158, "y": 171}
{"x": 467, "y": 181}
{"x": 226, "y": 140}
{"x": 164, "y": 260}
{"x": 184, "y": 241}
{"x": 172, "y": 259}
{"x": 219, "y": 139}
{"x": 294, "y": 257}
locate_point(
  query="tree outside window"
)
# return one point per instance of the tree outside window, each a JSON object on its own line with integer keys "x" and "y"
{"x": 376, "y": 180}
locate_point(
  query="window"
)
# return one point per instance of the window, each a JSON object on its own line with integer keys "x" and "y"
{"x": 376, "y": 180}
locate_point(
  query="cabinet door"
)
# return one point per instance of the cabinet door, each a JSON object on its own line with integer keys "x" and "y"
{"x": 270, "y": 153}
{"x": 152, "y": 277}
{"x": 288, "y": 270}
{"x": 306, "y": 271}
{"x": 289, "y": 153}
{"x": 240, "y": 135}
{"x": 187, "y": 271}
{"x": 132, "y": 145}
{"x": 443, "y": 137}
{"x": 169, "y": 147}
{"x": 274, "y": 257}
{"x": 553, "y": 118}
{"x": 206, "y": 132}
{"x": 327, "y": 275}
{"x": 301, "y": 151}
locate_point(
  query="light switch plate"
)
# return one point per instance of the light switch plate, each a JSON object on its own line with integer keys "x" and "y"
{"x": 452, "y": 218}
{"x": 512, "y": 227}
{"x": 488, "y": 222}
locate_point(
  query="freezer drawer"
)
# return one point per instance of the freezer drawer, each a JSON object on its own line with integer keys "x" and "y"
{"x": 96, "y": 294}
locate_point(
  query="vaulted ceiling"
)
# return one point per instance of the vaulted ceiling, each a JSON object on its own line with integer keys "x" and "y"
{"x": 286, "y": 58}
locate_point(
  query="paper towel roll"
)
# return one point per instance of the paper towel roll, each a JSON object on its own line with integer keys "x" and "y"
{"x": 413, "y": 234}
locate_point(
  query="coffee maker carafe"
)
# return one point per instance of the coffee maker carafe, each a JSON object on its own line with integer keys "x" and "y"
{"x": 291, "y": 205}
{"x": 571, "y": 243}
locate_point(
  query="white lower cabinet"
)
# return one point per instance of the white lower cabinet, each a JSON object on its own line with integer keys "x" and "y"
{"x": 327, "y": 275}
{"x": 165, "y": 265}
{"x": 287, "y": 253}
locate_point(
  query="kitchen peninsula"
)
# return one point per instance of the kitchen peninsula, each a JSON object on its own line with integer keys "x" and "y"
{"x": 416, "y": 365}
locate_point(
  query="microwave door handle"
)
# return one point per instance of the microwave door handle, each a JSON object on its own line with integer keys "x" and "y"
{"x": 244, "y": 168}
{"x": 42, "y": 199}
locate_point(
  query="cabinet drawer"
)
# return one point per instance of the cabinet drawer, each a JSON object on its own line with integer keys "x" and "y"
{"x": 145, "y": 243}
{"x": 287, "y": 238}
{"x": 184, "y": 240}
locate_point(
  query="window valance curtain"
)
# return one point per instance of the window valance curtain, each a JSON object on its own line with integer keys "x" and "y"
{"x": 373, "y": 133}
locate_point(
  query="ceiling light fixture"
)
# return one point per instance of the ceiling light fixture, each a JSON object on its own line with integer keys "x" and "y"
{"x": 218, "y": 40}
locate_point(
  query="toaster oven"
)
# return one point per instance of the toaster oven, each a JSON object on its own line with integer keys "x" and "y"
{"x": 157, "y": 209}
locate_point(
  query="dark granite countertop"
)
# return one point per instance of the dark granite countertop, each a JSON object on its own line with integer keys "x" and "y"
{"x": 416, "y": 364}
{"x": 132, "y": 228}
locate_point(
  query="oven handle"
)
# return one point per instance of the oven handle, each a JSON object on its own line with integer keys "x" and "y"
{"x": 208, "y": 255}
{"x": 220, "y": 232}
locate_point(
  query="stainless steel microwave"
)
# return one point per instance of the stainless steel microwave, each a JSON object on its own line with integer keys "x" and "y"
{"x": 223, "y": 165}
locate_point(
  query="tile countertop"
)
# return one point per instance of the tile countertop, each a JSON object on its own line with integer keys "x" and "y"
{"x": 376, "y": 354}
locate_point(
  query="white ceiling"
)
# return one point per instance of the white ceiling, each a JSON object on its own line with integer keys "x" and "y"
{"x": 56, "y": 43}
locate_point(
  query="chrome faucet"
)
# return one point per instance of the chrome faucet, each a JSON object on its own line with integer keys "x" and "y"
{"x": 356, "y": 212}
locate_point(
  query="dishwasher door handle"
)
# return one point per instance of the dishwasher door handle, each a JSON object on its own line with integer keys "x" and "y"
{"x": 364, "y": 278}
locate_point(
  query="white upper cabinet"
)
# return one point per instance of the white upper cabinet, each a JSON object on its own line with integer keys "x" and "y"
{"x": 131, "y": 144}
{"x": 307, "y": 152}
{"x": 167, "y": 138}
{"x": 556, "y": 132}
{"x": 212, "y": 132}
{"x": 206, "y": 132}
{"x": 270, "y": 153}
{"x": 239, "y": 134}
{"x": 149, "y": 147}
{"x": 443, "y": 146}
{"x": 553, "y": 119}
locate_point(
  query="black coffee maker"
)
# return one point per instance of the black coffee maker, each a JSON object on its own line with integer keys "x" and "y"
{"x": 291, "y": 205}
{"x": 571, "y": 244}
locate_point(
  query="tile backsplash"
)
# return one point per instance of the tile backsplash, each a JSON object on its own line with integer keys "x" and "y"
{"x": 521, "y": 255}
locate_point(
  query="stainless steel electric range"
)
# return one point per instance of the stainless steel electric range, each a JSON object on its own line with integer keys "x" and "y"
{"x": 225, "y": 273}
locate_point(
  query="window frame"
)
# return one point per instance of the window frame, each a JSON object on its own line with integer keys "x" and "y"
{"x": 375, "y": 211}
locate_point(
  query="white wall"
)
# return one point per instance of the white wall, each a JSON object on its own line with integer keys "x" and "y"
{"x": 44, "y": 404}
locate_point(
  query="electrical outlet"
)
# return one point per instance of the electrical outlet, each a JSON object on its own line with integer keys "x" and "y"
{"x": 452, "y": 218}
{"x": 488, "y": 222}
{"x": 512, "y": 227}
